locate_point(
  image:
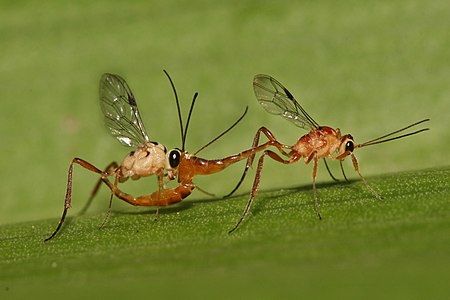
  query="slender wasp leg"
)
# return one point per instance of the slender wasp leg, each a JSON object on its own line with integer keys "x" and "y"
{"x": 244, "y": 174}
{"x": 272, "y": 142}
{"x": 356, "y": 166}
{"x": 160, "y": 187}
{"x": 108, "y": 212}
{"x": 343, "y": 172}
{"x": 205, "y": 191}
{"x": 256, "y": 182}
{"x": 156, "y": 214}
{"x": 316, "y": 202}
{"x": 68, "y": 199}
{"x": 109, "y": 170}
{"x": 329, "y": 171}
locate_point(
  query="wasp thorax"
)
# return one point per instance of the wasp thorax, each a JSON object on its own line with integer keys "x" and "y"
{"x": 146, "y": 160}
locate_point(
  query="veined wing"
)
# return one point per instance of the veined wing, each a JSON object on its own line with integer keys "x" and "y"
{"x": 277, "y": 100}
{"x": 121, "y": 113}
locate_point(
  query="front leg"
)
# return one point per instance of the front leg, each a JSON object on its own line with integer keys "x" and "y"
{"x": 356, "y": 166}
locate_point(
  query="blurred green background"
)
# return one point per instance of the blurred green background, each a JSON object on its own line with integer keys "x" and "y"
{"x": 367, "y": 68}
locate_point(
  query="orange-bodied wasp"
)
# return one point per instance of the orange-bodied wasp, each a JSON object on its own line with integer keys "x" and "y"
{"x": 122, "y": 118}
{"x": 320, "y": 142}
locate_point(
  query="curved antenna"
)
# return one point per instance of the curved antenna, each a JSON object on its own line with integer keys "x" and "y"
{"x": 188, "y": 120}
{"x": 178, "y": 108}
{"x": 224, "y": 132}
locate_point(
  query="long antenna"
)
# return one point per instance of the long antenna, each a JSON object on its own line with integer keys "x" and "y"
{"x": 380, "y": 140}
{"x": 223, "y": 133}
{"x": 188, "y": 120}
{"x": 178, "y": 108}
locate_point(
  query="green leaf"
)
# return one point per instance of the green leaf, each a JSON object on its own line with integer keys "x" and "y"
{"x": 363, "y": 247}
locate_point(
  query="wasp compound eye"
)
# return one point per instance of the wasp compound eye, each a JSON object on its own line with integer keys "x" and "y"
{"x": 349, "y": 146}
{"x": 174, "y": 158}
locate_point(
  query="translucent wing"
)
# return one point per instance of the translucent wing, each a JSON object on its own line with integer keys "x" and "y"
{"x": 277, "y": 100}
{"x": 121, "y": 112}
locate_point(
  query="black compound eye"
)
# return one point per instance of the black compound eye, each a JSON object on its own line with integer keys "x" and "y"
{"x": 349, "y": 146}
{"x": 174, "y": 158}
